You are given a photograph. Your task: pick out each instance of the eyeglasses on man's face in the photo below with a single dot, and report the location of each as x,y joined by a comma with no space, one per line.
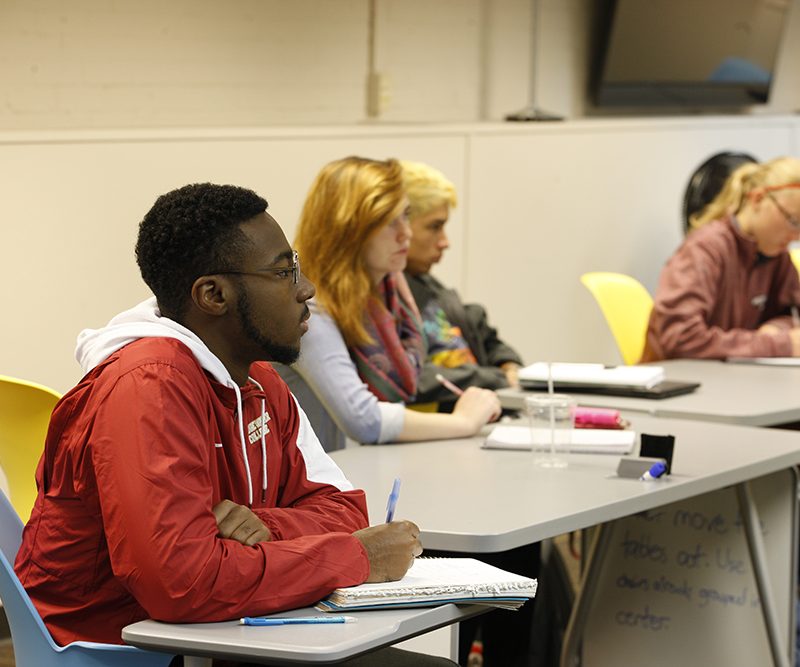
792,220
283,272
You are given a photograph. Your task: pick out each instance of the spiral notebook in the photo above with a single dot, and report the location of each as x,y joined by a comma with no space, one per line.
434,581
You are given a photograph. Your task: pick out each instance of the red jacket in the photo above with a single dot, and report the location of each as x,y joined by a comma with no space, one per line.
136,456
713,295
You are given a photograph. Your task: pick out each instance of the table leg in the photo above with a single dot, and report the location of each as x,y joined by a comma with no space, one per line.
585,594
758,558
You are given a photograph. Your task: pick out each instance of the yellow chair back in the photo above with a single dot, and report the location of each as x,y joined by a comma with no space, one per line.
795,255
626,305
25,409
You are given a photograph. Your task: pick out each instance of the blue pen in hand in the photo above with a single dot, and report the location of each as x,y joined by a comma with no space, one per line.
392,503
297,620
656,471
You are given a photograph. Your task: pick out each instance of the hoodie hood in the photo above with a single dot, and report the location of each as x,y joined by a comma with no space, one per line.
144,321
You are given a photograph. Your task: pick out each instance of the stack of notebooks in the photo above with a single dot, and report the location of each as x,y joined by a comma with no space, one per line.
434,581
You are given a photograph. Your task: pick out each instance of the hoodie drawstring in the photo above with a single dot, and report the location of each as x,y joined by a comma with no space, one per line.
239,410
263,442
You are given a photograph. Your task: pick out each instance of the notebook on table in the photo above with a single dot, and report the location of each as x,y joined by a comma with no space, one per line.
633,381
583,441
434,581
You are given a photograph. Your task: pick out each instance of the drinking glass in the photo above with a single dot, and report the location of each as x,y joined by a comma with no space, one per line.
552,419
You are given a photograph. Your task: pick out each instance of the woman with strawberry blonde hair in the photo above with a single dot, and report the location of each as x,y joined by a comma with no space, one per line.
360,360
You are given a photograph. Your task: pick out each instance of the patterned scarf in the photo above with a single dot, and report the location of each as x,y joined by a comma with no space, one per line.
391,364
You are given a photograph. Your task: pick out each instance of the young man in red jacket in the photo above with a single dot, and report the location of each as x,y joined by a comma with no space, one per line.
180,480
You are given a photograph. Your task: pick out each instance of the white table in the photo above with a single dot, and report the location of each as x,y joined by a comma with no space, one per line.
293,644
453,488
472,500
732,393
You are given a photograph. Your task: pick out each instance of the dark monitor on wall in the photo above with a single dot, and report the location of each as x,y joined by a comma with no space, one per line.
687,53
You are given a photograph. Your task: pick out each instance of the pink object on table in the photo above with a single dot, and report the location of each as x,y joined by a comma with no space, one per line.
598,418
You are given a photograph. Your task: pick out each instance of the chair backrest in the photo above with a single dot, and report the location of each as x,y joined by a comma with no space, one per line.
33,644
25,409
795,255
626,305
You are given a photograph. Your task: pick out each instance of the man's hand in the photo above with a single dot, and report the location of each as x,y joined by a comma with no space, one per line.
511,369
391,549
238,522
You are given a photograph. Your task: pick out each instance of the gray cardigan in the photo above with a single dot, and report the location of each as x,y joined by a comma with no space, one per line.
327,385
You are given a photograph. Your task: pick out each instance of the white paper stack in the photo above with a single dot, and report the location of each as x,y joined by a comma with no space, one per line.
584,440
565,374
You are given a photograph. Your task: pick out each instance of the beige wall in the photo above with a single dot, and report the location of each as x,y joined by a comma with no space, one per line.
539,206
540,203
194,63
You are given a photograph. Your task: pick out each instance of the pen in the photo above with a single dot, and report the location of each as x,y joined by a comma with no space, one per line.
392,503
795,317
442,380
656,471
297,620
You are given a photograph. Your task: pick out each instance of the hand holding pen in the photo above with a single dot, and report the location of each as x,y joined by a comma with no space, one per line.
480,406
391,504
442,380
392,546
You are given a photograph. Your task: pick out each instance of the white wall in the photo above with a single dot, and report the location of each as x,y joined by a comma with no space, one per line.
585,196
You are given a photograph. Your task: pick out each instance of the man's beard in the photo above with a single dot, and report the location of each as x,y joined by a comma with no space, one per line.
283,354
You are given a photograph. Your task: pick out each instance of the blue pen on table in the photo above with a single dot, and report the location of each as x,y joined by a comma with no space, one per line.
656,471
297,620
392,502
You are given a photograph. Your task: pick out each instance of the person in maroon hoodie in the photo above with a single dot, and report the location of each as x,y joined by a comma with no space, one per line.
181,480
731,289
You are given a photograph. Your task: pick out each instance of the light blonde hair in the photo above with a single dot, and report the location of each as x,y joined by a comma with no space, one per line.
781,172
348,202
426,188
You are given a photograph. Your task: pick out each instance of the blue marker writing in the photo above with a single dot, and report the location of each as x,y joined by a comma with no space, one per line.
392,503
297,620
656,470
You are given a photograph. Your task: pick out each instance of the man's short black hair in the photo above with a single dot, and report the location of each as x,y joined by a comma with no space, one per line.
190,232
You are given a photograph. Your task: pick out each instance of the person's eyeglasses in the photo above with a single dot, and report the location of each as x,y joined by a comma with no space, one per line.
793,221
283,272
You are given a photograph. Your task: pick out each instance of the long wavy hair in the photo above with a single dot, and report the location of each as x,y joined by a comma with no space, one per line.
781,172
348,202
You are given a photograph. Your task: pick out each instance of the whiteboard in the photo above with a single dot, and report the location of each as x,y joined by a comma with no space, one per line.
676,587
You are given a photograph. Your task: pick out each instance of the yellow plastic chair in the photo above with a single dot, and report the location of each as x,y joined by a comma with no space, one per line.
25,409
795,255
626,305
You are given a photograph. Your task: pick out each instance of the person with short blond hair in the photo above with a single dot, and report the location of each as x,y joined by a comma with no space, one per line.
462,345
